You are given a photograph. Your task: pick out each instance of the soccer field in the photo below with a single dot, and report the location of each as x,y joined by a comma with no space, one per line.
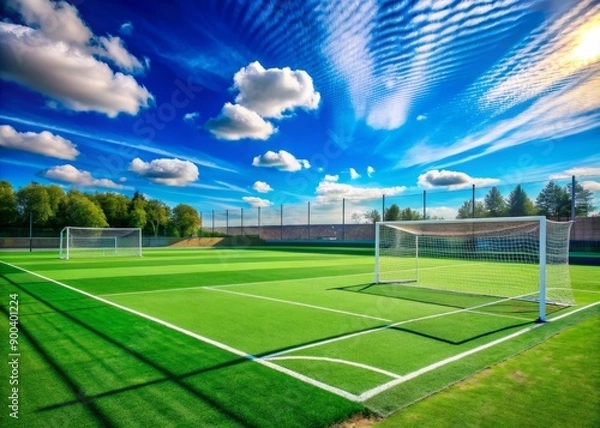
250,337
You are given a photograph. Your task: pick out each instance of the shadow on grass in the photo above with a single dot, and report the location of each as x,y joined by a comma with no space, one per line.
89,400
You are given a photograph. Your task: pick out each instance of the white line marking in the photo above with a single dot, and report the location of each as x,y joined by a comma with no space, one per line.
299,376
237,284
339,361
384,387
385,327
559,317
304,305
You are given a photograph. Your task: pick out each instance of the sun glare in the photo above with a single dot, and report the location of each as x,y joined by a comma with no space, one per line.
588,46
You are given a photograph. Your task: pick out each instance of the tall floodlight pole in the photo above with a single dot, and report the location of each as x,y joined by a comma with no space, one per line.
424,204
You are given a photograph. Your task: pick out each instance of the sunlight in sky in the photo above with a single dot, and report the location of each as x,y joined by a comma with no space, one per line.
588,48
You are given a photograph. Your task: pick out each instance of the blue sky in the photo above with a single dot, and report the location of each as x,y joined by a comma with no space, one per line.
240,104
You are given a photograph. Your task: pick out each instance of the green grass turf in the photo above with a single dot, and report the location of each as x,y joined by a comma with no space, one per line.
93,353
519,392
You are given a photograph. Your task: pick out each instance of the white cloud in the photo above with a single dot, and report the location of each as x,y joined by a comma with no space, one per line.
586,171
67,74
421,117
69,174
329,177
257,202
443,212
237,122
274,91
59,21
191,117
126,29
390,112
262,187
282,160
329,191
370,171
452,179
56,54
171,172
114,50
353,174
593,186
44,143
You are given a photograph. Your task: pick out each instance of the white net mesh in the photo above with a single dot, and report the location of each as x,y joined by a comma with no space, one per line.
496,257
100,242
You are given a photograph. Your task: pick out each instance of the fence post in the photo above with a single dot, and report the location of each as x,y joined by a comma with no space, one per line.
424,204
30,231
242,221
573,198
343,219
213,221
227,222
309,220
473,203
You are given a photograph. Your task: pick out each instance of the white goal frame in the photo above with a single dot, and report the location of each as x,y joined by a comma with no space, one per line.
542,257
109,234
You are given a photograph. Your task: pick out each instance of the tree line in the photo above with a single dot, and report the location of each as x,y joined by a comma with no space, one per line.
553,201
50,207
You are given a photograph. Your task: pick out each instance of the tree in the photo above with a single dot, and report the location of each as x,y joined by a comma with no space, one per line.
8,204
494,203
356,217
185,220
372,216
157,214
410,214
34,199
137,212
519,203
115,207
57,197
392,213
584,200
82,212
466,209
553,201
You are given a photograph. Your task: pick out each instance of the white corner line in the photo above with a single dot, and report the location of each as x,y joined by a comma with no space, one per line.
291,302
384,387
262,361
339,361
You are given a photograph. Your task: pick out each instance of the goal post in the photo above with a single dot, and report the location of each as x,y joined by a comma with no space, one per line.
100,242
510,257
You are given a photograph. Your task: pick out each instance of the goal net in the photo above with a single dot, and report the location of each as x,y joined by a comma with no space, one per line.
523,258
99,242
